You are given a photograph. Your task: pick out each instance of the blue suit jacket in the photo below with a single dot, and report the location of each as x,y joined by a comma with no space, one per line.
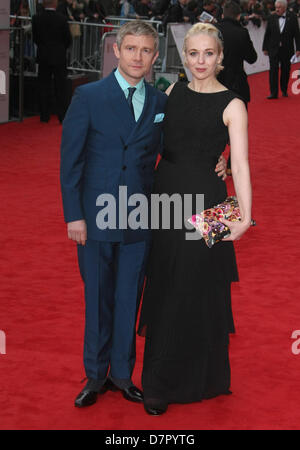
103,148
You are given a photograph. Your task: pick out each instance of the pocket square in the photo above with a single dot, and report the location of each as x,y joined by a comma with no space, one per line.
159,117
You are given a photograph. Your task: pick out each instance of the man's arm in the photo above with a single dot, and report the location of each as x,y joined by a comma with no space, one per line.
34,30
221,167
67,34
75,129
250,54
266,40
297,36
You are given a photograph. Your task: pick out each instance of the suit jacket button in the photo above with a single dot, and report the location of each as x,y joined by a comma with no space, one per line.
124,168
125,147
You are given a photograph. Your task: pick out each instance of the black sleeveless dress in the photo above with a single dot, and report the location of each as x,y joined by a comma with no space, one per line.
186,313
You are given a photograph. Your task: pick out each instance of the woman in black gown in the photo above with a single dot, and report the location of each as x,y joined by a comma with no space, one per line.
186,313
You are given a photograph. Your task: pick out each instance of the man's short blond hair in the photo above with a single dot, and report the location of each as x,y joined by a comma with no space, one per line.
137,28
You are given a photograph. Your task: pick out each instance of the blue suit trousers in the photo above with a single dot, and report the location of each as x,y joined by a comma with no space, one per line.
113,275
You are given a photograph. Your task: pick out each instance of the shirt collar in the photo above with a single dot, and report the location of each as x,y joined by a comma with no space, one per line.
124,83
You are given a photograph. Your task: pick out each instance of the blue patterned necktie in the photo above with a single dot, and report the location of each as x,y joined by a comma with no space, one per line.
131,91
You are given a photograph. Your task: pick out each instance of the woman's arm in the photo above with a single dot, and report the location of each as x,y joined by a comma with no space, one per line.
235,117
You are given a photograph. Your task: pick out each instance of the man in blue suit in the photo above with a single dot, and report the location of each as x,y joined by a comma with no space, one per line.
111,138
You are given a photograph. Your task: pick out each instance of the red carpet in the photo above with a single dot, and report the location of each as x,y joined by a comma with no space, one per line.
42,308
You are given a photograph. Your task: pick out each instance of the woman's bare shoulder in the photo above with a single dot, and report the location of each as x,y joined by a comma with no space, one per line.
235,112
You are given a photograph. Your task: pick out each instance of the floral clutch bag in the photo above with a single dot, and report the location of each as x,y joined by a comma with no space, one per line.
208,225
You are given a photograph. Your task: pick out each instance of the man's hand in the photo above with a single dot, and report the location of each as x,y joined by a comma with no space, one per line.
77,231
221,168
265,52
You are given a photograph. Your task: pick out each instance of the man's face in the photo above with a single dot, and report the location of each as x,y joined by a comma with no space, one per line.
136,56
280,9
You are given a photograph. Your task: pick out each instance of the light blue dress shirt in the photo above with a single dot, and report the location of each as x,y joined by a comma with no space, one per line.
138,98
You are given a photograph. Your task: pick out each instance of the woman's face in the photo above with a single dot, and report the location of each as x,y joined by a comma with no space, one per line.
202,56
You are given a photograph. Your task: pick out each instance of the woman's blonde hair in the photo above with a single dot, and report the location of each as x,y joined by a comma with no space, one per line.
210,30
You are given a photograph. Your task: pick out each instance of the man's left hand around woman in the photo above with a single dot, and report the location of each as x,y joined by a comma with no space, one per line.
221,167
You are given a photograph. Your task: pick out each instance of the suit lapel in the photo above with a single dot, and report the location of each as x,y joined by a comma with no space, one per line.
149,105
122,115
146,118
126,126
287,18
277,23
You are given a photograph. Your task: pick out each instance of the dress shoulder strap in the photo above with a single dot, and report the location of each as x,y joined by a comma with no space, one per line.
231,95
228,97
178,85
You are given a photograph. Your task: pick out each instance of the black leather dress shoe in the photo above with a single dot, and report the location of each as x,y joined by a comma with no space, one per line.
155,408
131,393
284,94
272,97
88,396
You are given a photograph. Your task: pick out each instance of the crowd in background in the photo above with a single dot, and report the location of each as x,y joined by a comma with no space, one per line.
254,11
190,11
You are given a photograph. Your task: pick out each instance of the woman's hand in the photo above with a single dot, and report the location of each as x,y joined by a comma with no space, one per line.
237,229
